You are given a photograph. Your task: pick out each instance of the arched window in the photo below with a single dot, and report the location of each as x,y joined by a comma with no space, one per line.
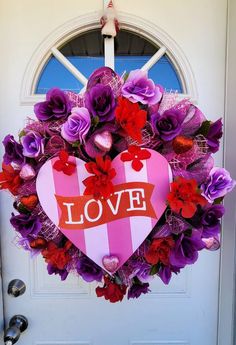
86,53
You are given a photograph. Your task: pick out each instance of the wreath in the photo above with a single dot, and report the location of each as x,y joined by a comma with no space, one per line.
116,184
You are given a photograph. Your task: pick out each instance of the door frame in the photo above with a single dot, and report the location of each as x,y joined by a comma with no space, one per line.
227,313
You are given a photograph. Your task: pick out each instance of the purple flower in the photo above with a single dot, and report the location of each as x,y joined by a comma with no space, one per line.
218,184
13,151
137,289
26,224
54,270
211,220
141,270
56,106
186,249
214,134
100,102
165,273
168,125
105,76
77,125
88,270
138,88
33,144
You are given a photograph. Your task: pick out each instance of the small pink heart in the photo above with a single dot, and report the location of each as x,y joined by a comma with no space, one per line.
110,262
103,141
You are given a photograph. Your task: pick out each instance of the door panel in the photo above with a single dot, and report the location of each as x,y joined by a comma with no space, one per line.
183,313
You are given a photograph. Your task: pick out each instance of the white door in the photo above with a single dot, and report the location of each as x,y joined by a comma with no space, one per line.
69,313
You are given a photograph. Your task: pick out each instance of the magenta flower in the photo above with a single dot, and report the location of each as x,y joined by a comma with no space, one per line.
33,144
13,151
218,184
88,270
168,125
186,249
214,134
100,101
77,125
210,220
137,289
138,88
26,224
56,106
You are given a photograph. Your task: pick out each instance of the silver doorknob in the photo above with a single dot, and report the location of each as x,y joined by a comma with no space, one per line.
17,325
16,288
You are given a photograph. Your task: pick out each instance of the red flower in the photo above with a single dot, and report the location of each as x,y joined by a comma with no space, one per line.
135,154
10,179
111,291
159,251
131,118
99,185
185,196
63,164
56,256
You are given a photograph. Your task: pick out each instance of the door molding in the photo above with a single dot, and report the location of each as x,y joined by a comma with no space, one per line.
226,327
90,21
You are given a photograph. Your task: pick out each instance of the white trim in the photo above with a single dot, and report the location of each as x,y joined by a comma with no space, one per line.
226,322
90,21
109,52
68,65
154,59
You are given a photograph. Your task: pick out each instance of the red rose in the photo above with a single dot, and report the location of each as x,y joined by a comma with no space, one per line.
57,257
159,251
185,196
10,179
131,118
99,185
111,291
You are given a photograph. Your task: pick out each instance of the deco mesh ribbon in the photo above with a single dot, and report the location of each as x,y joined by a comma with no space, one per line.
129,115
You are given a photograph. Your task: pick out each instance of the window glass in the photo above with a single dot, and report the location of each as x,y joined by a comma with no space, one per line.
86,53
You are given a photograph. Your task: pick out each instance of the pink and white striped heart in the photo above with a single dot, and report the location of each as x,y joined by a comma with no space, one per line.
114,227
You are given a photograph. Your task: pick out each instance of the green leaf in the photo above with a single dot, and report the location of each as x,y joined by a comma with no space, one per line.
204,129
76,144
218,201
22,209
95,121
125,76
22,133
154,270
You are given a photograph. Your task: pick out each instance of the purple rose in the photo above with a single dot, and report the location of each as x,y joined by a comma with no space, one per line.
77,125
33,144
186,249
218,184
105,76
213,136
100,102
168,125
56,106
26,224
13,151
211,220
88,270
54,270
137,289
138,88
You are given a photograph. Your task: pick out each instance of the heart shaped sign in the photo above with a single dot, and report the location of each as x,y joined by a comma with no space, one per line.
114,227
